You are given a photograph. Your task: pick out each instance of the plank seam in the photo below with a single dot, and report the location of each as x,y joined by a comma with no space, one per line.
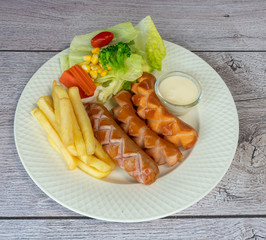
169,217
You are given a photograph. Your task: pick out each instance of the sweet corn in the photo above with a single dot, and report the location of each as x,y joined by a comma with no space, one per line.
100,70
82,63
87,58
93,74
95,59
95,50
86,67
108,67
104,73
95,67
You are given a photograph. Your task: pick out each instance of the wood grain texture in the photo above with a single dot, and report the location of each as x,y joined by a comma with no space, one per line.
236,228
196,25
229,35
242,190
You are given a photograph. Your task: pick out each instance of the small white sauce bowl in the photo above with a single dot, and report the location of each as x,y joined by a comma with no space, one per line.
178,109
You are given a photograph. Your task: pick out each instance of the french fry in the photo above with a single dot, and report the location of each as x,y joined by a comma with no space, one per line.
78,138
72,150
49,101
44,104
54,84
38,114
53,145
91,171
98,164
101,154
63,117
84,167
84,158
69,131
60,91
66,126
56,103
83,120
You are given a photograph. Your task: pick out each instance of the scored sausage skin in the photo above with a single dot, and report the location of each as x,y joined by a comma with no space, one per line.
158,118
158,148
120,147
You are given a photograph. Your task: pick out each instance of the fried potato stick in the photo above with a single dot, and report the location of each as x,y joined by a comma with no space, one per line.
39,115
83,120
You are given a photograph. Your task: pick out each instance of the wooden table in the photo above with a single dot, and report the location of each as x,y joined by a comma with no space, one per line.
229,35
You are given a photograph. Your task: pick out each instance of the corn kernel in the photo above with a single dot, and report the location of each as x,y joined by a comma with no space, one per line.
82,63
95,50
104,73
86,67
95,59
95,67
109,68
87,58
93,74
100,70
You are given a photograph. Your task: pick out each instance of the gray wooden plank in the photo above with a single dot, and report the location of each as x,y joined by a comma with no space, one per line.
196,25
242,190
236,228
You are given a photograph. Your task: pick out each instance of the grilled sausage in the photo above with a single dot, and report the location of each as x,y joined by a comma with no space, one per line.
159,149
158,118
120,147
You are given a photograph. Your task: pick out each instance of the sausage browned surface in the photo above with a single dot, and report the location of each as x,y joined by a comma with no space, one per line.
159,149
158,118
120,147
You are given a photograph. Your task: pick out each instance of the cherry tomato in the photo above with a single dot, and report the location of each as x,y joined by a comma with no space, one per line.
102,39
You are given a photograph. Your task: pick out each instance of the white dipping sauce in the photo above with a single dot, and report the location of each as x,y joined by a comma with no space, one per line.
178,90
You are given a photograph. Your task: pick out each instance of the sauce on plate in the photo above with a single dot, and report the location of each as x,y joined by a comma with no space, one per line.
178,90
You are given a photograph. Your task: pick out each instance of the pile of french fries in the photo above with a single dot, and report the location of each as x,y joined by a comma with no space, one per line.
69,131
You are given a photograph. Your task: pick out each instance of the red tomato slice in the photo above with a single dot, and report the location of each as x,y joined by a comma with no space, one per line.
102,39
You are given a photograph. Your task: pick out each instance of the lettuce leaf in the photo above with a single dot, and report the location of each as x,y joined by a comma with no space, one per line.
149,43
76,57
127,85
123,32
116,79
145,66
64,62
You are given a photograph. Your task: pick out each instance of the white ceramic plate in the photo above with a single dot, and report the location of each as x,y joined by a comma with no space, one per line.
118,197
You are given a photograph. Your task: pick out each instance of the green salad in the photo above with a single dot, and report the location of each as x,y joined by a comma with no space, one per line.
131,51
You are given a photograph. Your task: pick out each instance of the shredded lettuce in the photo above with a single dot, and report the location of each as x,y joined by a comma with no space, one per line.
133,66
149,43
123,32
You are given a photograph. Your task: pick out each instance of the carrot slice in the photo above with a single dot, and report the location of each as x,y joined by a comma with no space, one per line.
86,78
68,80
83,80
76,76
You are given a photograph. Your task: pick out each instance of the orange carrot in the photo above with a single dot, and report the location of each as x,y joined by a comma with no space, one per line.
83,80
76,76
85,77
68,80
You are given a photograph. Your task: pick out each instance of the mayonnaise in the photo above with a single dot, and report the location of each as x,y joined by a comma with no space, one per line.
178,90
